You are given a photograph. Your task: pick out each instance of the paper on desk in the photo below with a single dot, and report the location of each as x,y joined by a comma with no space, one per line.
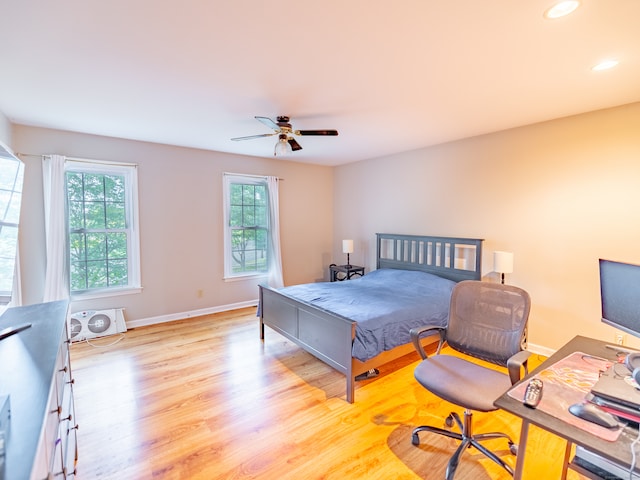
566,382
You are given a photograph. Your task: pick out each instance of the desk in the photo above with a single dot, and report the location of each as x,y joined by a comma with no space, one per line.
618,451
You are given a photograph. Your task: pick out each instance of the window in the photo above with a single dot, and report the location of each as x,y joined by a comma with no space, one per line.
246,226
11,177
102,227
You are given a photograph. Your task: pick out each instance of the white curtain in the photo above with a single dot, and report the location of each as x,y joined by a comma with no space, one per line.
16,293
275,268
56,283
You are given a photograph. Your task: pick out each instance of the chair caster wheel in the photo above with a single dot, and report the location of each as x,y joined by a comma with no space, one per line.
449,421
415,440
513,448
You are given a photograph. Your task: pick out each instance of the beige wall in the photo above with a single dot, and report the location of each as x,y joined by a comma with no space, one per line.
559,194
180,197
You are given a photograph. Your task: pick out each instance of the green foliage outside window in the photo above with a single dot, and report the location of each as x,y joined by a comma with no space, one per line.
97,231
248,220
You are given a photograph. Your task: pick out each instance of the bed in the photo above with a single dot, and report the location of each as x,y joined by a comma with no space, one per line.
337,332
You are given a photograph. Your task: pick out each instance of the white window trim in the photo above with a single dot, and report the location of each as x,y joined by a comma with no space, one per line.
228,179
106,292
12,297
130,173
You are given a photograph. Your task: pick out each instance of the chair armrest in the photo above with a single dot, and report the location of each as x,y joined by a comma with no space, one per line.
417,333
515,363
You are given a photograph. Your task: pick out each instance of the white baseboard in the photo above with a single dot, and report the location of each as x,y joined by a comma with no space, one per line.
142,322
540,350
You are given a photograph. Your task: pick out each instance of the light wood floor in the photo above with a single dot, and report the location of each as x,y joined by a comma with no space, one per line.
204,398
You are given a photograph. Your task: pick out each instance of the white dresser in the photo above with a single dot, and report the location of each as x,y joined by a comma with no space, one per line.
35,372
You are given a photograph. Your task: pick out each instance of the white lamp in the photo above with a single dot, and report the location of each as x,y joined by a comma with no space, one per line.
282,147
347,247
502,263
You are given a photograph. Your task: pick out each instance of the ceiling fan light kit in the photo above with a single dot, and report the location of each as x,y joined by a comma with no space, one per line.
282,147
286,143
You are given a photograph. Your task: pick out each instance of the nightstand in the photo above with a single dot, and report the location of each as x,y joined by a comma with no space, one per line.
344,272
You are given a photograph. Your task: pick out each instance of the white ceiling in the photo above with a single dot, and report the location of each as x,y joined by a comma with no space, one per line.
389,76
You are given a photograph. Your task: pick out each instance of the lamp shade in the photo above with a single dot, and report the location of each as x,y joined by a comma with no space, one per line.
503,262
282,148
347,246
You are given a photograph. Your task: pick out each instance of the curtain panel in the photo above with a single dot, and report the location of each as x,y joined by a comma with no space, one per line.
56,283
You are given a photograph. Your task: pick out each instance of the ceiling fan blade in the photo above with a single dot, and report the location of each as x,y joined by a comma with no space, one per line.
269,123
316,132
250,137
294,145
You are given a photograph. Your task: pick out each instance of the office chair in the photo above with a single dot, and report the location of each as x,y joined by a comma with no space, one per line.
486,321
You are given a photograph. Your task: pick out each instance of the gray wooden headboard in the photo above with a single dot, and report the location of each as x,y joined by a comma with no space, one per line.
454,258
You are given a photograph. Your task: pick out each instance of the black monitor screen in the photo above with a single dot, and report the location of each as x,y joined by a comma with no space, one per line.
620,295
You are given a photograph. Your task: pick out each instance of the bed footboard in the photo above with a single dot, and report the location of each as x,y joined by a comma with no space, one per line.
325,335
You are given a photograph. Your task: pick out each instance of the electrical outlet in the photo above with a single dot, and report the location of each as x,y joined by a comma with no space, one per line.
619,339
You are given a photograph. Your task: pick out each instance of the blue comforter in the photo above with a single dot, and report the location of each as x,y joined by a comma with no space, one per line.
386,303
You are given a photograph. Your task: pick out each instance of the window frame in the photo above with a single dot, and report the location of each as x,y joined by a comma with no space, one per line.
228,180
15,198
130,174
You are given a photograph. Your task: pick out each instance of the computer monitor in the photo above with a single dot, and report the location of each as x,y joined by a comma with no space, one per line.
620,295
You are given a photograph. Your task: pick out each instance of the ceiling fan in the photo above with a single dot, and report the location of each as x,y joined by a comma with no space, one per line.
283,129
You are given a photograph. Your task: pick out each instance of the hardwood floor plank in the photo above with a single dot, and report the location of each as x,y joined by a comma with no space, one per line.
204,398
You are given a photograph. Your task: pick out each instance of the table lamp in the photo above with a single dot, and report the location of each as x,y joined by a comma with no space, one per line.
502,263
347,247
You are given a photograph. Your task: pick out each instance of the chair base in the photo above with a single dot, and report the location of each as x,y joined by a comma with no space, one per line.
467,440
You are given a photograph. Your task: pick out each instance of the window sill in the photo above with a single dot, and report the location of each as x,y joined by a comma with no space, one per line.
115,292
246,277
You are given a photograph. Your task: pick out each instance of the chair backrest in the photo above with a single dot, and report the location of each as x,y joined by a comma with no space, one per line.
487,320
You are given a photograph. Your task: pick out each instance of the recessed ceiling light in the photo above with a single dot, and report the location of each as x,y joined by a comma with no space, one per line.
561,9
605,65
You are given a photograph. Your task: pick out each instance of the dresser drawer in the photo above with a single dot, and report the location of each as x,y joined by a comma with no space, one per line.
70,450
57,452
63,370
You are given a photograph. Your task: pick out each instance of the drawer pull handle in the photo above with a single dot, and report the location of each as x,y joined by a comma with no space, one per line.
57,410
72,381
65,419
64,369
65,473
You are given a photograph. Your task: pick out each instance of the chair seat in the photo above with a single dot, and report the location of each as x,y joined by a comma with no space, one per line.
462,382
